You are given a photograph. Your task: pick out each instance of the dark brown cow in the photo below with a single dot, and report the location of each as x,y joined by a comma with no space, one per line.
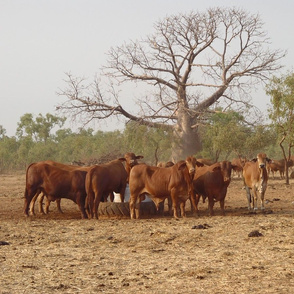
104,179
238,164
212,182
55,183
278,165
255,179
160,183
58,200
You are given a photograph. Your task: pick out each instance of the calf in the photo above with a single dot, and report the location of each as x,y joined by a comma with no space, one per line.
255,179
212,182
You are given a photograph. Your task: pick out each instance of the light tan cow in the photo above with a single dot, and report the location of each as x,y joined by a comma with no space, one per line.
255,179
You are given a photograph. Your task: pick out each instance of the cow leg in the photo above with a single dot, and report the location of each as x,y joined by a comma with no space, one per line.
160,208
122,194
90,203
40,202
96,204
47,205
210,206
137,207
254,198
58,205
80,200
111,197
134,206
222,206
182,207
32,204
262,192
194,204
248,197
28,195
174,204
170,206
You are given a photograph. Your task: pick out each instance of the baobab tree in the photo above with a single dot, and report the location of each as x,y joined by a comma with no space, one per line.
191,64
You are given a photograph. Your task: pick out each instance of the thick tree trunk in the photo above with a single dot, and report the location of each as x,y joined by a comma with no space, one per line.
186,140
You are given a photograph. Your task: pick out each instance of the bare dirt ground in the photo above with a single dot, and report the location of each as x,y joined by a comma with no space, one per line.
57,253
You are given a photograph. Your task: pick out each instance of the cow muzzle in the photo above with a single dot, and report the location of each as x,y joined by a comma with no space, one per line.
192,172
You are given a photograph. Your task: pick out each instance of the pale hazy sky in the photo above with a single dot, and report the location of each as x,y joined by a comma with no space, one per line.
41,40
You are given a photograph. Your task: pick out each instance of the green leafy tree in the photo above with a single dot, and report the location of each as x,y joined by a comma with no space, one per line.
153,144
8,153
40,128
2,132
281,112
224,133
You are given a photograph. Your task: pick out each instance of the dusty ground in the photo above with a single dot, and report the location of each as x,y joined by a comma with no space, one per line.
63,254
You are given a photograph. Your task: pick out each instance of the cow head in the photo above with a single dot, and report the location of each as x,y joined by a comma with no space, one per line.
261,159
226,170
192,163
131,159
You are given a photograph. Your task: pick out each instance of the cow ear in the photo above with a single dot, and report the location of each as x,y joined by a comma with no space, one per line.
216,168
182,165
139,156
199,163
268,160
122,159
254,159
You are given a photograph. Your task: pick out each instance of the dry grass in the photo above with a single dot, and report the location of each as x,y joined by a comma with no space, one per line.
64,254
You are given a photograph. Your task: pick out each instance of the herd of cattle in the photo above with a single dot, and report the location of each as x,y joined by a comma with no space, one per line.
187,179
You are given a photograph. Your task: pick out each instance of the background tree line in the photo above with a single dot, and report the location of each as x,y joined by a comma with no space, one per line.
224,136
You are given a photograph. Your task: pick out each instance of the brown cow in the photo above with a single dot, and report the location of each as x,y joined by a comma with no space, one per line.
212,182
278,165
165,164
130,160
55,183
160,183
104,179
255,179
41,197
237,165
206,161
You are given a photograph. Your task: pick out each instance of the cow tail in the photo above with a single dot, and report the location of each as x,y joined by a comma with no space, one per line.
26,193
90,193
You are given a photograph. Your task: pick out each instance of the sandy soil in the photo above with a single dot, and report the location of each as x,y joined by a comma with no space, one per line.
57,253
